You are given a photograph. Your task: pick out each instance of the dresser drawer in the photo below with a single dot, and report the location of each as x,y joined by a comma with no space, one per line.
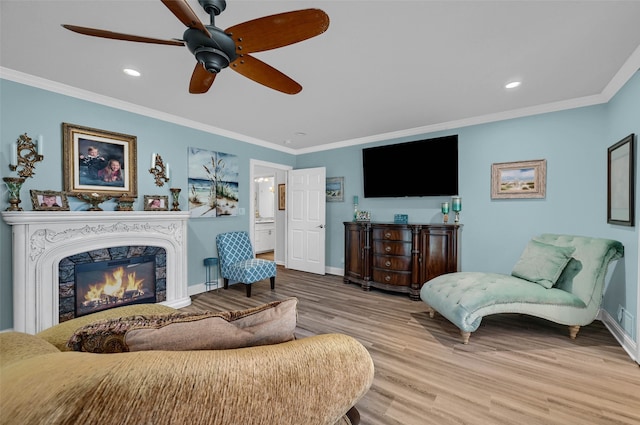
392,234
391,248
392,278
388,262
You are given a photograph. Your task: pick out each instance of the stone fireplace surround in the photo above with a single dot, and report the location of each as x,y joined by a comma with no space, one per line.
41,239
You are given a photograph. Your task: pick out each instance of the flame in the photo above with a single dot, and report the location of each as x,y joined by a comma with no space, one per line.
115,284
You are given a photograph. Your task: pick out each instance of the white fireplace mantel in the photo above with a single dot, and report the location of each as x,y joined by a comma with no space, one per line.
42,238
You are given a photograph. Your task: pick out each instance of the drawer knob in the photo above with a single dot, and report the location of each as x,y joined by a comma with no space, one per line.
387,235
387,248
387,278
388,263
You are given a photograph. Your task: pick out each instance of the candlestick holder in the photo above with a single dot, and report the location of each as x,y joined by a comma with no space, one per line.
25,161
125,203
14,184
175,193
158,170
445,211
456,206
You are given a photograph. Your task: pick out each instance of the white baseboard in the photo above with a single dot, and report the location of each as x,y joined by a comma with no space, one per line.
338,271
202,287
619,334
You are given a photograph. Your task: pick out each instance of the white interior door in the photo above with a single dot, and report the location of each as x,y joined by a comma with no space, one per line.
306,197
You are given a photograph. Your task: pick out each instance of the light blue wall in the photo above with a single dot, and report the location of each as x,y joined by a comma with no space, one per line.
573,142
34,111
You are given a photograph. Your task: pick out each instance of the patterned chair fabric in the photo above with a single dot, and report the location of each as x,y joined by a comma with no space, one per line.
237,262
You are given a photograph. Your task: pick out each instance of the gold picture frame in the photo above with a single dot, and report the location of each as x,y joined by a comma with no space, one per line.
282,196
49,200
517,180
156,203
99,161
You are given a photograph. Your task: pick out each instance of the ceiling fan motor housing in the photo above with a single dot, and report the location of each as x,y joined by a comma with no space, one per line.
215,53
215,6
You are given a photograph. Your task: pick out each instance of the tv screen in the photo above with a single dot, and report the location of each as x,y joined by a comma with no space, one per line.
420,168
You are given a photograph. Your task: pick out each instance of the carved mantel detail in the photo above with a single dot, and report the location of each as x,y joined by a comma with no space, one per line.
43,237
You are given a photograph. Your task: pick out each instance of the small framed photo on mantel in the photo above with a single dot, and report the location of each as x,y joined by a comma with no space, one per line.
156,203
49,200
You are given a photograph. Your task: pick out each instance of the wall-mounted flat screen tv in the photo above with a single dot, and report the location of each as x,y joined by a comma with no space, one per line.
420,168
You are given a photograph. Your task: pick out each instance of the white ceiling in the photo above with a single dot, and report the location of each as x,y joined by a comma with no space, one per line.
383,69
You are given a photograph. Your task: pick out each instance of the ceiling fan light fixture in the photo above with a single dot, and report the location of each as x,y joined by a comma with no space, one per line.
214,60
131,72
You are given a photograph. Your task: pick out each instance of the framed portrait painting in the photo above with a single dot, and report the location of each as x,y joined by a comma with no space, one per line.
621,182
49,200
98,161
516,180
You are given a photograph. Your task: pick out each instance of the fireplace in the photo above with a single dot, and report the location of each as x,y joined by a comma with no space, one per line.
48,245
113,283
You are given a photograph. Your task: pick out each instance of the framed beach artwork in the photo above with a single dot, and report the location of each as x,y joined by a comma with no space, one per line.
335,189
98,161
621,182
523,179
213,183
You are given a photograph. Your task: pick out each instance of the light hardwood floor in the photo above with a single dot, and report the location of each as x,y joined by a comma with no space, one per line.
515,370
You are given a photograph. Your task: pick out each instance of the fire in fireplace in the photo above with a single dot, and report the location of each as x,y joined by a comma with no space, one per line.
107,284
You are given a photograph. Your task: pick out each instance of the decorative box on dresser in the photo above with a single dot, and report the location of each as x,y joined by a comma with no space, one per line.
399,257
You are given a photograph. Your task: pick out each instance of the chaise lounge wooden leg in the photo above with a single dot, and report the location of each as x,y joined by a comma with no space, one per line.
573,331
432,312
248,285
465,337
273,283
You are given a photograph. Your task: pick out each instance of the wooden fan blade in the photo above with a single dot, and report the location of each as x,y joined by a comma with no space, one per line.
201,79
118,36
264,74
271,32
186,15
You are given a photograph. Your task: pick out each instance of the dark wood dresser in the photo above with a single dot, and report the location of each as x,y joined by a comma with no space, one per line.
399,257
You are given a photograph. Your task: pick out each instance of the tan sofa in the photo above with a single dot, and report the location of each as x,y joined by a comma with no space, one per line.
314,380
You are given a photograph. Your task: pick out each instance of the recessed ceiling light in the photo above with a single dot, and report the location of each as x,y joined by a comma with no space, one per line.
131,72
513,84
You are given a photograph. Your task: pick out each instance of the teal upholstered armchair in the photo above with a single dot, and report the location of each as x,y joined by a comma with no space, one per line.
238,263
558,277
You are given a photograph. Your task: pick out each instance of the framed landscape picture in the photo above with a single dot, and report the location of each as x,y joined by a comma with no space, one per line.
523,179
621,182
98,161
335,189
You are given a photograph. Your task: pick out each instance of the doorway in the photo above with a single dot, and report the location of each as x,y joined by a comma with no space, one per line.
261,223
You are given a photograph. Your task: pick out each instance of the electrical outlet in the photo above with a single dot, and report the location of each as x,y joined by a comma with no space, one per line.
620,313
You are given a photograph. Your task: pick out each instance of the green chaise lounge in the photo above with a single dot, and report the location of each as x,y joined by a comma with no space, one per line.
558,277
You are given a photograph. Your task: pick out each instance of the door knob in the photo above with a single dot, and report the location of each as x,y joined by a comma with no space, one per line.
321,226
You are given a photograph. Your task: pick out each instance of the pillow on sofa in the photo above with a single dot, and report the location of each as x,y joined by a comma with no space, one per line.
542,263
266,324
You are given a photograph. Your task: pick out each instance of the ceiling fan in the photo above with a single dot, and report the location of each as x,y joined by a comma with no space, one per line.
215,49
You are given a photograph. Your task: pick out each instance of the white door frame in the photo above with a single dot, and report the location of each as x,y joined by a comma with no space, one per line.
252,207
